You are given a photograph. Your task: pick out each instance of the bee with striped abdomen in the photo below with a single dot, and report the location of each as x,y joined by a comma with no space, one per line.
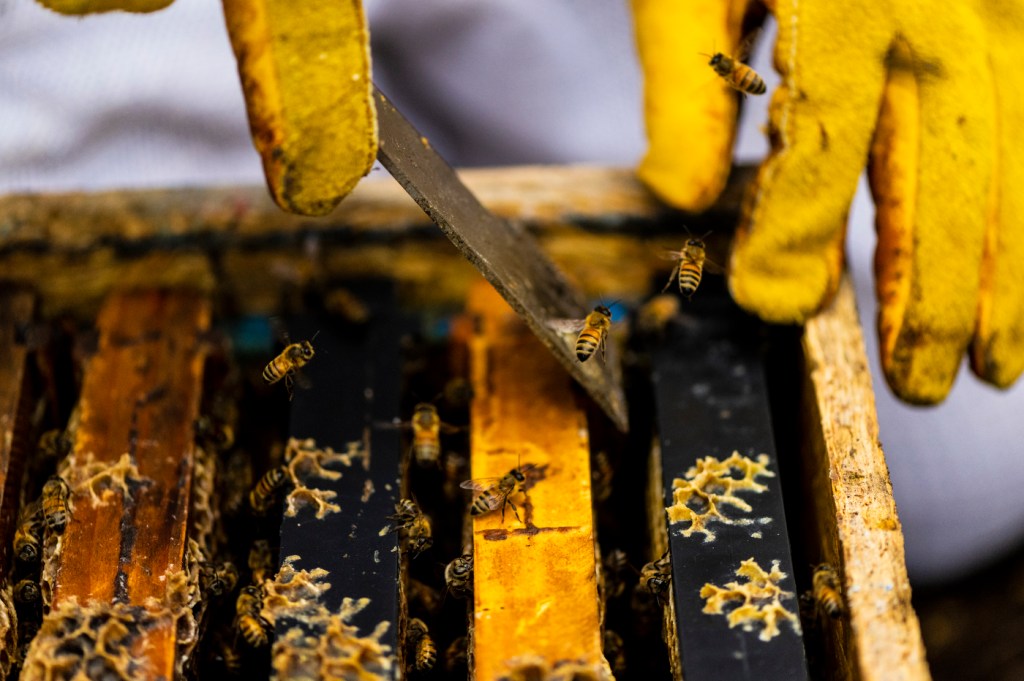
55,504
458,575
29,535
410,518
248,620
426,434
495,493
261,498
826,591
594,333
424,652
735,73
284,366
692,258
657,575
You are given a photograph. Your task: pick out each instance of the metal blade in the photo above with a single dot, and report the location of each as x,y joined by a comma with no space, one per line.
509,258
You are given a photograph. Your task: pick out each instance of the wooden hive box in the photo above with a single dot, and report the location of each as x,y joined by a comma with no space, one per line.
136,323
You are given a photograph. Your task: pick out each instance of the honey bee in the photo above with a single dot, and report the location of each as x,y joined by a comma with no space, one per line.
55,504
456,656
408,517
736,74
261,498
292,358
458,575
248,620
656,576
654,316
228,656
346,304
615,567
826,591
496,492
614,651
26,591
261,560
601,474
594,333
692,258
426,434
54,444
29,535
218,579
424,652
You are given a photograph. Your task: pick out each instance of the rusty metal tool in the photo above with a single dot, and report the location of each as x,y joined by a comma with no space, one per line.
509,258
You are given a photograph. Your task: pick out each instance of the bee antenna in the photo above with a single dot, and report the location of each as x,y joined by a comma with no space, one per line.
314,336
706,234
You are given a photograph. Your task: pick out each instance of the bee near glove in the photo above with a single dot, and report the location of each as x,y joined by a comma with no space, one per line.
927,99
305,71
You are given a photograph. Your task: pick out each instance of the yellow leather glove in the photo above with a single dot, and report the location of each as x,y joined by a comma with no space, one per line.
930,95
305,69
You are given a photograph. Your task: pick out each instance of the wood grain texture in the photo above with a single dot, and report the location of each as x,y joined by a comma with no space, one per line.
535,593
140,396
852,500
15,314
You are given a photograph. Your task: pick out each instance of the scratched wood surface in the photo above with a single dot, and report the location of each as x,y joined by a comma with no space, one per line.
140,397
535,588
852,504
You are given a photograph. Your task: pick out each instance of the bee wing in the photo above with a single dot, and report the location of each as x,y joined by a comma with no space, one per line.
280,331
480,484
671,255
448,428
567,325
744,48
713,267
393,425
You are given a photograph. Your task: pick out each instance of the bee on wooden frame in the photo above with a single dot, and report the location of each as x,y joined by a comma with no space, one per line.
458,575
410,518
55,504
26,591
28,537
593,331
495,493
826,591
424,652
657,575
262,495
248,620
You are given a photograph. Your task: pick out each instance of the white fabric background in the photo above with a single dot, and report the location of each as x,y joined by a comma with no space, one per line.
153,100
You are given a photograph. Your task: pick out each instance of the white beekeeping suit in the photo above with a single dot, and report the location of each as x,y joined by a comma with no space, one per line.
153,100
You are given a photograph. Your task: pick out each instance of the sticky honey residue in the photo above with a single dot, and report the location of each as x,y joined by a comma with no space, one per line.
100,479
89,641
711,485
537,668
326,645
758,600
305,462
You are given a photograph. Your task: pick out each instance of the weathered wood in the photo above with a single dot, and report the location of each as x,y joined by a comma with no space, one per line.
535,587
342,419
851,498
130,471
733,586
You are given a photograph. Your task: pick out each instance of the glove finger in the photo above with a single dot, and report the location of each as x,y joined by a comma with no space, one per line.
930,169
690,118
788,253
305,70
96,6
997,350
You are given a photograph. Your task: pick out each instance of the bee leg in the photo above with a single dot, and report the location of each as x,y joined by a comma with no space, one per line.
675,272
288,384
604,351
514,510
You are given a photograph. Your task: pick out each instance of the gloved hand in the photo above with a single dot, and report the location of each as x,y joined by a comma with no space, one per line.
928,96
305,69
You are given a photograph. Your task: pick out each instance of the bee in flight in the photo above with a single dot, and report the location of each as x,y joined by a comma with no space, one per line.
426,434
284,366
594,333
458,575
692,258
494,493
654,316
656,576
55,504
410,518
424,652
825,584
29,535
262,495
735,73
248,620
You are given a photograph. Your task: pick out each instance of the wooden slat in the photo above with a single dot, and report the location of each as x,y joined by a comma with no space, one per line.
717,447
535,588
123,556
351,399
851,498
